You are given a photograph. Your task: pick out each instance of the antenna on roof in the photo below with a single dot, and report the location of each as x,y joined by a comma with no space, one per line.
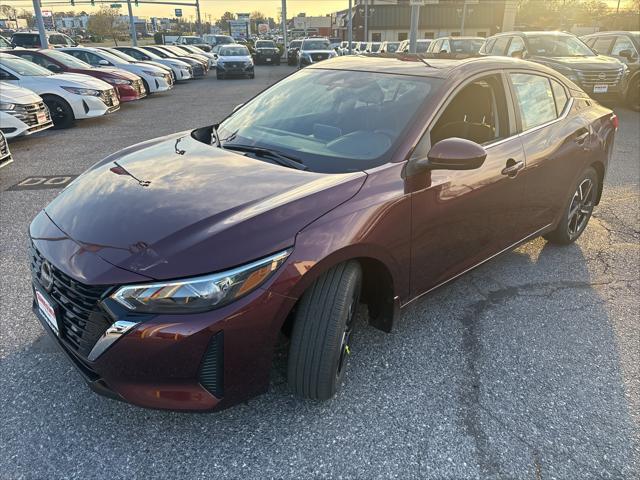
425,62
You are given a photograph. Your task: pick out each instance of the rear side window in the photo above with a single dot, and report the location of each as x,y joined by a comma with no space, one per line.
535,99
500,46
488,45
560,96
516,46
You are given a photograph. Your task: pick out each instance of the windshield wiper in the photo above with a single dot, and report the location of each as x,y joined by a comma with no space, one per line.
277,157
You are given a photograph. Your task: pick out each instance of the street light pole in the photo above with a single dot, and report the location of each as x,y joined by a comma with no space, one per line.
350,27
464,16
413,35
132,25
366,20
40,22
284,28
198,19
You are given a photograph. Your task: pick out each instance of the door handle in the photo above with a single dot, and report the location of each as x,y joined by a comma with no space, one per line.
512,167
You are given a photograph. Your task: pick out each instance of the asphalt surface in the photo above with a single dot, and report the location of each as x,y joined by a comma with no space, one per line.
529,367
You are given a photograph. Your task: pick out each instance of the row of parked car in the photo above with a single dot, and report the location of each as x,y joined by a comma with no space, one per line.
52,88
605,65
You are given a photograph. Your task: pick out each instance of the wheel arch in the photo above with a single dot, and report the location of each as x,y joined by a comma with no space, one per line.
598,166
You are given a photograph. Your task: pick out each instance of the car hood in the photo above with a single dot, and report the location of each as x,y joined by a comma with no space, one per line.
13,94
598,62
315,51
77,80
140,66
175,207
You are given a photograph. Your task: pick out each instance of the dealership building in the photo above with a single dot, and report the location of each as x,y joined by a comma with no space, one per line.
390,19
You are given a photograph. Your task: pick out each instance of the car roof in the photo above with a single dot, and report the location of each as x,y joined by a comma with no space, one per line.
612,32
535,32
436,67
468,37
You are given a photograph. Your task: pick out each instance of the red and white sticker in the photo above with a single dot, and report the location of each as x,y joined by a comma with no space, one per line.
47,311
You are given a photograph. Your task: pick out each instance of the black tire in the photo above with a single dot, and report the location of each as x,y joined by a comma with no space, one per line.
61,112
633,94
322,327
146,87
253,75
578,210
219,76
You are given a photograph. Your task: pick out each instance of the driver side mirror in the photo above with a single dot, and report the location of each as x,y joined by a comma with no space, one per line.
237,107
450,154
628,54
103,63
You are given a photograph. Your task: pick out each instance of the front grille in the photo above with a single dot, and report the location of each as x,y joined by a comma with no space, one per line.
601,77
212,368
80,320
198,70
319,56
4,148
29,113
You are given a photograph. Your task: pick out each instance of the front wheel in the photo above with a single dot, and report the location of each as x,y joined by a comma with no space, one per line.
61,112
322,329
577,213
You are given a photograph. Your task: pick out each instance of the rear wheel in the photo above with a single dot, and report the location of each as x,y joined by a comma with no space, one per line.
61,112
322,329
578,211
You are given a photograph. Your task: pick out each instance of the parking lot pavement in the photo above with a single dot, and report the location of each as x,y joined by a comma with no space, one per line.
526,368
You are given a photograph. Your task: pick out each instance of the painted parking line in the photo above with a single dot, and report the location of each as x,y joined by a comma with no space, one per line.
43,182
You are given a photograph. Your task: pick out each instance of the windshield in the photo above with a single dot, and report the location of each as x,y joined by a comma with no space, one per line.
4,43
239,51
111,57
24,67
466,46
295,44
375,47
334,121
192,40
122,55
558,46
67,60
148,53
265,44
315,45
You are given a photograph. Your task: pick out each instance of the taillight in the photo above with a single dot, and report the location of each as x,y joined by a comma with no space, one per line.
615,121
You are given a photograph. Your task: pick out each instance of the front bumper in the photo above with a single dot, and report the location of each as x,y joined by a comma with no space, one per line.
201,361
229,69
267,57
26,120
87,106
161,84
130,93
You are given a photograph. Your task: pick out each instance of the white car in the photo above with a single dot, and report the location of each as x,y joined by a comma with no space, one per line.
155,78
181,70
190,49
5,154
22,112
69,96
234,60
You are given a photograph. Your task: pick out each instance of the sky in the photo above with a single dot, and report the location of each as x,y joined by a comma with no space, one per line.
215,8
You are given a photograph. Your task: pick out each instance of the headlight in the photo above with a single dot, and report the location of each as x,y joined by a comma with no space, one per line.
83,91
199,294
333,54
118,81
7,106
153,74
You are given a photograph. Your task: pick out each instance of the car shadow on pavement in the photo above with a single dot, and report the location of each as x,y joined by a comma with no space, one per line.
510,372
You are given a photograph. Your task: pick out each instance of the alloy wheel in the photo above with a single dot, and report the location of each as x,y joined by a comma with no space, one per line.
581,208
352,313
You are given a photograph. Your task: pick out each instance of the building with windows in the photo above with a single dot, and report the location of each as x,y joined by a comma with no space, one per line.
391,19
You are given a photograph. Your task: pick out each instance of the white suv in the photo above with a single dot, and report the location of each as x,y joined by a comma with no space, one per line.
69,96
155,78
22,112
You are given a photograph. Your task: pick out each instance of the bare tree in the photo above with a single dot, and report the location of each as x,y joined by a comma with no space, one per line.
107,23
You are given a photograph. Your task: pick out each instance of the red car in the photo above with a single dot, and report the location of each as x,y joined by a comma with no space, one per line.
128,85
168,271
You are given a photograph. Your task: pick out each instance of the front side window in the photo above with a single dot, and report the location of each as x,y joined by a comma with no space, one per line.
500,46
516,46
334,121
623,44
28,40
67,60
535,99
602,45
478,113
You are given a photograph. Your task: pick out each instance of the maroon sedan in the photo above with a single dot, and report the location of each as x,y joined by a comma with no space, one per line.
168,270
128,85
